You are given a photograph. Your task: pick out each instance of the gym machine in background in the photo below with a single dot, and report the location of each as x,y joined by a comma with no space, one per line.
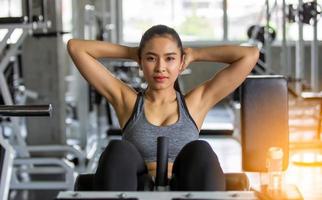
28,171
32,162
16,30
25,169
85,121
263,36
305,102
6,159
304,14
12,89
307,13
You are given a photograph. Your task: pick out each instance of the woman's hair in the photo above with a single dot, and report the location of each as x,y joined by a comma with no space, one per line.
161,30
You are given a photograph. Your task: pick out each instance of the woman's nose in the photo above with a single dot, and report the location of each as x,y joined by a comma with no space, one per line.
160,66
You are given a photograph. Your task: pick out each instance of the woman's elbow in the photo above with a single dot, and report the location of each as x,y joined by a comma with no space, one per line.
254,53
71,46
252,56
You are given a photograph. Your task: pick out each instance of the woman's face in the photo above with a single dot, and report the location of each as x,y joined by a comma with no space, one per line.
161,62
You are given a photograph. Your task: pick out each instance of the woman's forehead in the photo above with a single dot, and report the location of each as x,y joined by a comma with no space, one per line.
161,44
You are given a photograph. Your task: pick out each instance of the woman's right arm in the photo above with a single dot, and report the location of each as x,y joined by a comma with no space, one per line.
85,54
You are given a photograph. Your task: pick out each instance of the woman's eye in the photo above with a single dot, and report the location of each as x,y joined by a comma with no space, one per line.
170,58
150,59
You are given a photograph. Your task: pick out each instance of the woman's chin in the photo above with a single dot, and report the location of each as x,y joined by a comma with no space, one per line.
158,86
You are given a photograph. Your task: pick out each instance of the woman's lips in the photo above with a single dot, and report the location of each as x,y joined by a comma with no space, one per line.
160,78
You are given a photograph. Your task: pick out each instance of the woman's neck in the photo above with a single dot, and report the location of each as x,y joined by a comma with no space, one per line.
160,96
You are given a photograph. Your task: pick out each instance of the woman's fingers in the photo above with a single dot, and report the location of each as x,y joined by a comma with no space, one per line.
187,58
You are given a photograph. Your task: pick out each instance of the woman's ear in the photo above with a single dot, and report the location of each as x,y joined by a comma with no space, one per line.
141,72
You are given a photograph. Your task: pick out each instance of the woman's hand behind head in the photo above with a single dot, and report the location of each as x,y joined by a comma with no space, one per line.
187,58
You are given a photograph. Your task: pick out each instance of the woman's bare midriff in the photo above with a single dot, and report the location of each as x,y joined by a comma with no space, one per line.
152,167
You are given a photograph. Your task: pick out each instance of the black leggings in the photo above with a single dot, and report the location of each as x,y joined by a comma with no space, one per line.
196,168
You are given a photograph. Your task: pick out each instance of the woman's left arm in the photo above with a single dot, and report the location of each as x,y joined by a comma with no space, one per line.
241,61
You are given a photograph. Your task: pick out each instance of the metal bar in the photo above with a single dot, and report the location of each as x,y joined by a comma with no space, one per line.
24,26
41,170
67,184
18,138
61,148
119,8
12,20
43,7
4,90
284,65
225,20
5,39
13,26
5,61
18,97
267,44
41,185
29,9
25,110
8,100
314,57
113,21
289,60
148,195
299,65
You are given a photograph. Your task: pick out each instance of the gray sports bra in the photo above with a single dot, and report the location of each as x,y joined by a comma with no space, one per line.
144,135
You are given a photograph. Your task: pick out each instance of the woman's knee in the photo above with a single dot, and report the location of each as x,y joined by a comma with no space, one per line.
197,157
198,144
120,153
199,149
197,168
119,146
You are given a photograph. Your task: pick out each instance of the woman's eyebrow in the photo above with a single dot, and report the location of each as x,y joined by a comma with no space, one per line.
166,54
151,53
171,53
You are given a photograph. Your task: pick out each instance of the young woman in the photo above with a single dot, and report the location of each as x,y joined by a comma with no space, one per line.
161,110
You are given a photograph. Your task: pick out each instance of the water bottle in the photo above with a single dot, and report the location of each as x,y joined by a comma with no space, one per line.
274,166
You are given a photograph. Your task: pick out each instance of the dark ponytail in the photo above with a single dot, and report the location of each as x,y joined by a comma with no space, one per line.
177,86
